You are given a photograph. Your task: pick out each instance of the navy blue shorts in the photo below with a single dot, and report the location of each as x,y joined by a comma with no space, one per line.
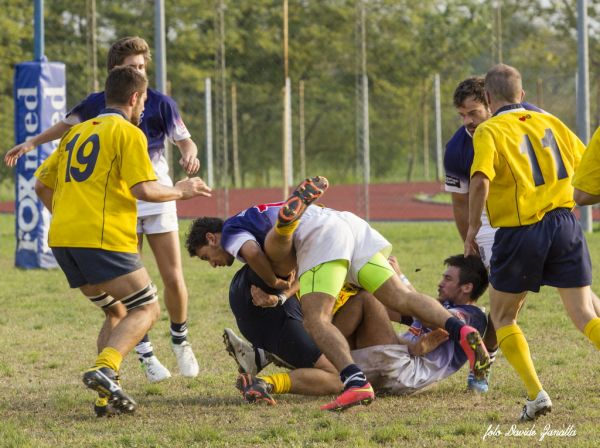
279,330
84,266
551,252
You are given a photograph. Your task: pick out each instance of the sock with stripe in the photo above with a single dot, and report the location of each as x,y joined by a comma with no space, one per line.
352,376
513,344
144,348
179,332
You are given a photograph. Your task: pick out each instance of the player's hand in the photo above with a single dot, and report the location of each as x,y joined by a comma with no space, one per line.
471,247
190,164
393,261
429,342
261,298
193,187
13,154
281,284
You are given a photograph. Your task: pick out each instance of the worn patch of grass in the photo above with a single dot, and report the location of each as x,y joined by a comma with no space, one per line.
48,336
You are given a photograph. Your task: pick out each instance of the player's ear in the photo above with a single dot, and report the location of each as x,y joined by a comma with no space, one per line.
211,238
134,98
467,288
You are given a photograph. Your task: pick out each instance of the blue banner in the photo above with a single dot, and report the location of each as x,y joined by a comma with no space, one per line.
40,102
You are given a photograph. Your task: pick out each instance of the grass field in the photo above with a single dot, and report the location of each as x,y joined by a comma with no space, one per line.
48,332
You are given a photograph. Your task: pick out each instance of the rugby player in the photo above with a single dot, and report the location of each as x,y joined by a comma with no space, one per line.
158,221
90,184
521,173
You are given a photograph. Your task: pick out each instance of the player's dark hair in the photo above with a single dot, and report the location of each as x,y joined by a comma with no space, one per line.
196,237
471,270
125,47
121,83
504,83
470,87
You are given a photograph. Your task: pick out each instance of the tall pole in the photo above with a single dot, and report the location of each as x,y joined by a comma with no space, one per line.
209,131
234,138
221,103
38,45
159,46
94,40
583,93
161,60
362,108
499,29
287,109
438,128
302,131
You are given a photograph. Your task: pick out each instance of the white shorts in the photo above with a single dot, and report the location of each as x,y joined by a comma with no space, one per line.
326,235
485,241
391,369
163,223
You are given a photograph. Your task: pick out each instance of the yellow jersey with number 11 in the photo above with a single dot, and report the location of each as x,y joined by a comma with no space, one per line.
91,173
529,158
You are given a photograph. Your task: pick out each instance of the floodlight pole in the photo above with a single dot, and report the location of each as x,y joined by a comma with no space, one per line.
38,46
583,94
363,160
438,128
287,110
161,60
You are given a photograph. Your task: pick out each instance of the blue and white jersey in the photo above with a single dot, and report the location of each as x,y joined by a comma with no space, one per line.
458,158
251,224
160,120
449,356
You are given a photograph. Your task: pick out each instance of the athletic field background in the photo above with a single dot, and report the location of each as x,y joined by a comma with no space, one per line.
48,333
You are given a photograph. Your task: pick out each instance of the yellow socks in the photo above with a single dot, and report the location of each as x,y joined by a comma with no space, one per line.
281,382
513,344
109,357
287,229
592,331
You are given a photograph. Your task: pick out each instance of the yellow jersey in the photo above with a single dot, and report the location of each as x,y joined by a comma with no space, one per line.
91,173
587,175
529,158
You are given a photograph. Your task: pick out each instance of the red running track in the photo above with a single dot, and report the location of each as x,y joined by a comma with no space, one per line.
388,202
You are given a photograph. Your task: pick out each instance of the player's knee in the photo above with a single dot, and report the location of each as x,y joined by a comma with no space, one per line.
115,311
175,283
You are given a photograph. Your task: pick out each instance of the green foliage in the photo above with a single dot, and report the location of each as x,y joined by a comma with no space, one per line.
407,43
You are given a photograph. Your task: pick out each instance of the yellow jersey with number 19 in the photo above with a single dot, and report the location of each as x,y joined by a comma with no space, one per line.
587,175
91,173
529,158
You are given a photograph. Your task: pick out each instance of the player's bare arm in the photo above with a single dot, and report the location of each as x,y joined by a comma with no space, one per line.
479,188
52,133
460,208
152,191
189,156
258,261
45,194
583,198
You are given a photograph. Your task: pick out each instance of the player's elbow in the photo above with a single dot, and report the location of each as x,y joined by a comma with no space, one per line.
142,191
582,198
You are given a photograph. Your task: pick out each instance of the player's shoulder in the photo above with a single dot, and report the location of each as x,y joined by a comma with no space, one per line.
156,97
459,151
457,141
95,99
